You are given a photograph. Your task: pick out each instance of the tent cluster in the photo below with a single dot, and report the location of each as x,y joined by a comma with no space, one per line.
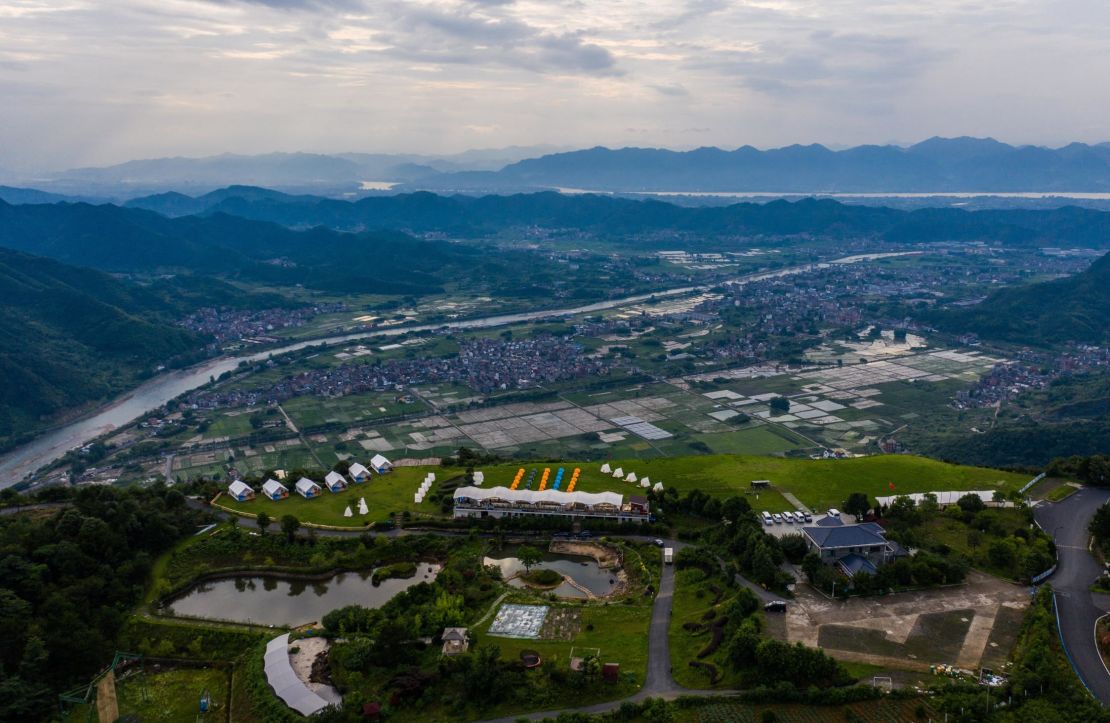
631,477
429,480
334,481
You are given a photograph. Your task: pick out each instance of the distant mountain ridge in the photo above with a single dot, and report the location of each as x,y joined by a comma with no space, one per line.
1074,308
950,165
634,220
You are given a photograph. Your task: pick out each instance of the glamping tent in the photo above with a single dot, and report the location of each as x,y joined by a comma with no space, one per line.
240,491
307,488
380,464
335,482
275,490
359,473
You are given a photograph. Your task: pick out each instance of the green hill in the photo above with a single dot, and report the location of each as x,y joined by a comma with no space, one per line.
1076,308
69,336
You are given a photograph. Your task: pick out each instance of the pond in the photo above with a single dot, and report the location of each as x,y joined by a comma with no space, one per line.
288,601
583,570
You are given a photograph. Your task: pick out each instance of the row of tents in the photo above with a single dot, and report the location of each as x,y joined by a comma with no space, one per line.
334,481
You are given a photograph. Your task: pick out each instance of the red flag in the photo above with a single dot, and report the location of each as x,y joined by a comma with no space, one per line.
892,485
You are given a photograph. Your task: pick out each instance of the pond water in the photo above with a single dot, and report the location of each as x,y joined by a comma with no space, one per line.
286,601
583,570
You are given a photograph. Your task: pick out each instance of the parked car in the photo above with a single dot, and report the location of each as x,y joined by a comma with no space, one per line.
808,517
775,606
833,512
658,542
767,519
788,516
777,518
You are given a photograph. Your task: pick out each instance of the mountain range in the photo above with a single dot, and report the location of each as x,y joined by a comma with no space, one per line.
642,221
949,165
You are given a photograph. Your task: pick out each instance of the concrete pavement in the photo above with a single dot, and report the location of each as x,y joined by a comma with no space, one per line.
1077,608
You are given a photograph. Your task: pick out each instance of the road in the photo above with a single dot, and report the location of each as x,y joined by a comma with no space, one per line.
1077,607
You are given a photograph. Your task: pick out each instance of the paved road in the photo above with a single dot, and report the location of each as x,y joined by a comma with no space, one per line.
1077,607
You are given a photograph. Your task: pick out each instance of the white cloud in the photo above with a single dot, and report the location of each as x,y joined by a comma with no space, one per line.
84,82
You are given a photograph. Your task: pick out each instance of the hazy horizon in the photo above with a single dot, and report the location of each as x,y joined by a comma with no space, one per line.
89,84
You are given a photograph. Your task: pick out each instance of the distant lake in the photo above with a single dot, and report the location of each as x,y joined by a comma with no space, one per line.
288,601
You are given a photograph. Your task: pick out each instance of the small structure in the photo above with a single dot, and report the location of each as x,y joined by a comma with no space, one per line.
274,490
645,481
530,659
479,477
307,488
347,512
380,464
335,482
631,477
658,487
618,473
358,473
761,484
240,491
611,672
639,504
455,641
362,508
606,469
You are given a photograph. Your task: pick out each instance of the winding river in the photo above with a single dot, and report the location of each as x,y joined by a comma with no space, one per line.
158,390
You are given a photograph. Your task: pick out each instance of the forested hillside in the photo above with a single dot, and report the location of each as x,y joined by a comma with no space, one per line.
72,335
1075,309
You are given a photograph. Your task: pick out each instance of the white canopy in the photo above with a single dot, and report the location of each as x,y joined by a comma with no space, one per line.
347,512
605,468
532,497
283,679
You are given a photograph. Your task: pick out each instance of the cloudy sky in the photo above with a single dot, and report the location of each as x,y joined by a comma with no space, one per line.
100,81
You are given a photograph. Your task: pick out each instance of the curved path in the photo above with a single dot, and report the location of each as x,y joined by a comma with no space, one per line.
1077,608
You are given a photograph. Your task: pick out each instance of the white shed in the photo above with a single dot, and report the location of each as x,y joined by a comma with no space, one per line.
307,488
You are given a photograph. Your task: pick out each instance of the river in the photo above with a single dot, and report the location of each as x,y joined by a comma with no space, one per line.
153,393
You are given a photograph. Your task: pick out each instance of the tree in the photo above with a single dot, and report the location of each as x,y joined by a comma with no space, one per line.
971,504
780,404
528,557
1100,523
290,525
857,504
263,521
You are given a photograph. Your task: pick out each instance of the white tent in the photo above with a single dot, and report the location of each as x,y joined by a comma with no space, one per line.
362,508
605,469
631,477
380,464
335,481
479,477
358,472
431,477
618,473
347,512
658,487
645,483
418,498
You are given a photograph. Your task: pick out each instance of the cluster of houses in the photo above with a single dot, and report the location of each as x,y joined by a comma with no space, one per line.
334,481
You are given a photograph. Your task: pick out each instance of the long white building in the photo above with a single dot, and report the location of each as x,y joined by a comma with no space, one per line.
498,502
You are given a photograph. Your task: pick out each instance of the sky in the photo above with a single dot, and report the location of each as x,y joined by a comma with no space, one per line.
91,82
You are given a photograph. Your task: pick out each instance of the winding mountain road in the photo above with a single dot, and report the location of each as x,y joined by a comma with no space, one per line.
1077,608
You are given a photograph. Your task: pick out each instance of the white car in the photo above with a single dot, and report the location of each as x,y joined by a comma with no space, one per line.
767,520
788,516
833,512
777,518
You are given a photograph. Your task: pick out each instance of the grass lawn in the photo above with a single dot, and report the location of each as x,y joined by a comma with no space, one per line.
817,483
1060,493
884,710
384,494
